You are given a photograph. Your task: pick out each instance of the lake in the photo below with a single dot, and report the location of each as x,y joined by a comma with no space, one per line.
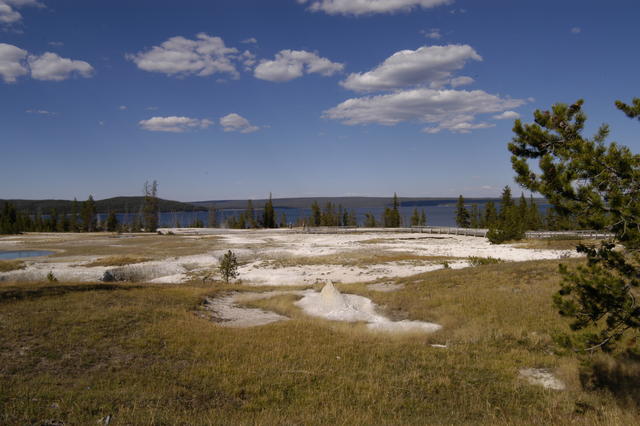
19,254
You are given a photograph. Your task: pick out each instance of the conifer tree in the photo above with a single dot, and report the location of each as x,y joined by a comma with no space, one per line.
370,220
423,218
112,222
599,183
213,217
509,225
316,214
89,215
73,220
463,219
533,215
490,215
269,216
415,217
250,216
150,206
475,216
523,209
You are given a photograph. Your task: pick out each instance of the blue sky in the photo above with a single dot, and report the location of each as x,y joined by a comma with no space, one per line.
235,99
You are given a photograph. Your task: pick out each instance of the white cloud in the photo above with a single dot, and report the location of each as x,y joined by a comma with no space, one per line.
152,108
8,13
50,66
507,115
452,110
576,30
236,123
427,65
39,111
12,62
364,7
290,64
461,81
204,56
433,33
122,107
174,124
250,40
56,43
248,60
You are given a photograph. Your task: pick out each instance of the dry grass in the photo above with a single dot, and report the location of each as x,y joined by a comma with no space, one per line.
116,261
552,243
11,265
77,353
355,258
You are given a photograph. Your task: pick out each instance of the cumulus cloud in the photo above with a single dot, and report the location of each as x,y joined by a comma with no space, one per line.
291,64
180,56
507,115
453,110
174,124
8,13
431,65
365,7
12,62
50,66
461,81
236,123
250,40
433,33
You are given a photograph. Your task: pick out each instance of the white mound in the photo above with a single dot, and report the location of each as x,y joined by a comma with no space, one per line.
333,305
542,377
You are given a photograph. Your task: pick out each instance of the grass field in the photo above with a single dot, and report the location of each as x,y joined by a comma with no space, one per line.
146,354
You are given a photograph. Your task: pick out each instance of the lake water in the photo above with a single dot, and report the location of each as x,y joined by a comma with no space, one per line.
438,215
19,254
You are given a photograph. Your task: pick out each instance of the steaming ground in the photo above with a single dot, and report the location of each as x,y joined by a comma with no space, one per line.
267,257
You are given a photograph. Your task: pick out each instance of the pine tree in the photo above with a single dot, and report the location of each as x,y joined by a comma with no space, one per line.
250,216
523,209
533,215
506,203
89,215
423,218
213,217
150,206
490,215
462,215
73,220
598,183
112,222
228,266
316,214
475,216
415,217
269,215
370,220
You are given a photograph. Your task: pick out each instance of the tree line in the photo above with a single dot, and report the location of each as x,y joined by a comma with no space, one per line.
82,217
511,220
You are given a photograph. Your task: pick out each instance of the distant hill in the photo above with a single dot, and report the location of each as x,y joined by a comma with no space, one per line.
346,202
115,204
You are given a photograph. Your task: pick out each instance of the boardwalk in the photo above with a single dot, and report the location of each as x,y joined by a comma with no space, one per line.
587,234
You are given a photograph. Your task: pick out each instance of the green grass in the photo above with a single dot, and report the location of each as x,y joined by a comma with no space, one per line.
79,352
